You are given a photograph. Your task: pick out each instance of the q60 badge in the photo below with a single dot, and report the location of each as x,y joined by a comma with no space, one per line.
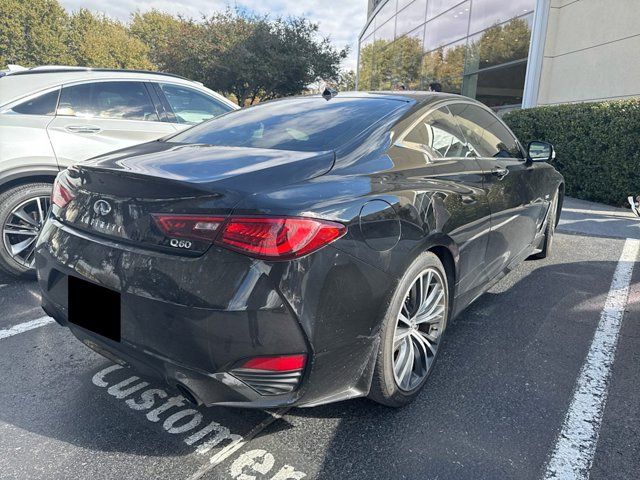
174,242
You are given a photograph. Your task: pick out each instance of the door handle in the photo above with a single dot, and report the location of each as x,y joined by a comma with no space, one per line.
82,129
499,172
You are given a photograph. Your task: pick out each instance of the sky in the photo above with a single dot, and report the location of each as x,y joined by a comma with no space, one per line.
341,21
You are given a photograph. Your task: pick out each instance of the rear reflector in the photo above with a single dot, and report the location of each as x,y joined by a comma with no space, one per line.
280,238
272,375
61,194
284,363
194,227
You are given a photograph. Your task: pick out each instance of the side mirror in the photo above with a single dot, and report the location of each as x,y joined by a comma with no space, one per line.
540,151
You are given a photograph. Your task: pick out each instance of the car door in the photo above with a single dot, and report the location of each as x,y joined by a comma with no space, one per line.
98,117
458,205
187,106
508,178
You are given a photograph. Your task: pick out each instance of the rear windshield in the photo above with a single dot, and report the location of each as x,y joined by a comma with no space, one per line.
302,124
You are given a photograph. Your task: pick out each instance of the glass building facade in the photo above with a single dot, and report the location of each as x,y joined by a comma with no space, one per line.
478,48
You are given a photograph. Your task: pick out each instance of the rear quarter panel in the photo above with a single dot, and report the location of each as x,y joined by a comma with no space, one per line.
25,146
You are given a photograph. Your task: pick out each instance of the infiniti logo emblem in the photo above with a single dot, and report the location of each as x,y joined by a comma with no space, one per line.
102,207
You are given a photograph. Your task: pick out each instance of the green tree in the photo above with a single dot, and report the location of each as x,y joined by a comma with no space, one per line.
32,32
158,30
252,58
257,58
98,41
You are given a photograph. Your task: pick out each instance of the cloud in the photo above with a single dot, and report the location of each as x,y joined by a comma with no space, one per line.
341,21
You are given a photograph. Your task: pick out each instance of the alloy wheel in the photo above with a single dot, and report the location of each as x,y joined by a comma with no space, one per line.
20,230
419,327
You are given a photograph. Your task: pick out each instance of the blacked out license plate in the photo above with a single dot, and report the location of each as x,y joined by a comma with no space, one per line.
94,308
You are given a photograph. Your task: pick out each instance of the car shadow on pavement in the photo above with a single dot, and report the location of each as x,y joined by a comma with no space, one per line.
497,397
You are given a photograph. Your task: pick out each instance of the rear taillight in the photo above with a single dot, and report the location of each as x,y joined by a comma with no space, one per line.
62,193
269,238
278,238
193,227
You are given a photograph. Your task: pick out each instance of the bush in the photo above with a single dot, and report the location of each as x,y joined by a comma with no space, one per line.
597,145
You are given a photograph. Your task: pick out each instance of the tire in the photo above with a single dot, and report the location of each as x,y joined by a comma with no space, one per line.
24,200
389,386
549,231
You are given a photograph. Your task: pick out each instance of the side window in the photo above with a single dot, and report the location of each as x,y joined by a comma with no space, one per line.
117,100
191,106
44,104
485,132
440,133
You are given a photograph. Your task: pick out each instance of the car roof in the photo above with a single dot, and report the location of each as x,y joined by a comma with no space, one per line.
403,95
417,96
20,83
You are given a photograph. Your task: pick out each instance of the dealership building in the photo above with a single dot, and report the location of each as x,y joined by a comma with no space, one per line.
505,53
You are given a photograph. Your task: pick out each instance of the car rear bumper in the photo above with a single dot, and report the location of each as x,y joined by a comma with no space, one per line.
191,321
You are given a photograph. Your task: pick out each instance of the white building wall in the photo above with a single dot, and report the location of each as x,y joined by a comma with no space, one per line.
592,51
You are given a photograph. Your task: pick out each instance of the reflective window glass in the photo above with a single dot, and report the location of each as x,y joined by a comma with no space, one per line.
118,100
407,59
487,13
386,32
42,105
386,60
445,65
366,41
497,87
190,106
403,3
436,7
301,124
411,17
485,133
439,132
447,28
369,30
500,44
386,12
366,71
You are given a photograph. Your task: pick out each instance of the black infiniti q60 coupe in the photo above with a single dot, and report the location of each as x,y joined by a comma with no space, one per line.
298,252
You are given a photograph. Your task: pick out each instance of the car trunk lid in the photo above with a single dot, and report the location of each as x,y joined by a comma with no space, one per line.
116,194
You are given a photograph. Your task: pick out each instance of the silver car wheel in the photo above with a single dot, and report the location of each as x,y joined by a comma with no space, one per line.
419,326
20,230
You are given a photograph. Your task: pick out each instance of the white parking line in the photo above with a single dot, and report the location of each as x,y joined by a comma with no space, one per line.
576,445
25,327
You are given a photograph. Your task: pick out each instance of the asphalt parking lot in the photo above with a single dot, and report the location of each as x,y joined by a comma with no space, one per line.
494,407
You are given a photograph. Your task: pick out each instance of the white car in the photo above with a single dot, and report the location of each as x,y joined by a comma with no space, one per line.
52,117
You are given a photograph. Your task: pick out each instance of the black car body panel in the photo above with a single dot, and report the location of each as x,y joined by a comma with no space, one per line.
192,316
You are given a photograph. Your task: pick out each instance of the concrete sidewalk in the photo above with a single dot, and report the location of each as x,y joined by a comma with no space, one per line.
596,219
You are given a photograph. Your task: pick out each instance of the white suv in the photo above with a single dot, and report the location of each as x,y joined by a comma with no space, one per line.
52,117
